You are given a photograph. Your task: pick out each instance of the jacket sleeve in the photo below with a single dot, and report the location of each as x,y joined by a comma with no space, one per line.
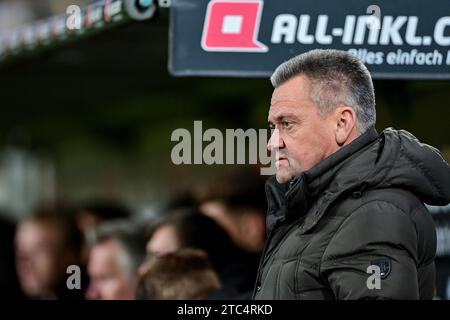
378,236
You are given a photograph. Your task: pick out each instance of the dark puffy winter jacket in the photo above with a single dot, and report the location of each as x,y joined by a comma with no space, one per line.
355,225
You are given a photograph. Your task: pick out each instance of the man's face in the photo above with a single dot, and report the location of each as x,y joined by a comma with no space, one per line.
303,138
164,240
38,257
109,277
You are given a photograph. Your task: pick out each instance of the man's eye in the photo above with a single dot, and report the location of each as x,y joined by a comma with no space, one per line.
271,126
286,124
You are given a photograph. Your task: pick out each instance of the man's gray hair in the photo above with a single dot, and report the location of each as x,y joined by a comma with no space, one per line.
129,237
336,77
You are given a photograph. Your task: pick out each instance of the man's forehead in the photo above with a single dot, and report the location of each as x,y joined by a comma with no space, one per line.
289,108
276,114
40,229
291,97
105,253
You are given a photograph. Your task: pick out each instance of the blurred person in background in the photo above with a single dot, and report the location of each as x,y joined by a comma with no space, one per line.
9,282
192,229
115,256
238,205
185,274
181,199
47,243
92,213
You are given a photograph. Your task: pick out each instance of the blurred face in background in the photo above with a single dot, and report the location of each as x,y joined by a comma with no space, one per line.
111,277
39,258
164,240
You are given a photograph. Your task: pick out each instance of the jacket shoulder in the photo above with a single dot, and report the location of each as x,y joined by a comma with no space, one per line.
388,228
394,218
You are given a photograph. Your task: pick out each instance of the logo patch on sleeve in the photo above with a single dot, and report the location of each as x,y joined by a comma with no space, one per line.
385,266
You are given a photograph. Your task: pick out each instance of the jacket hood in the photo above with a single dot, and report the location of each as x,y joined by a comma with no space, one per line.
393,159
409,164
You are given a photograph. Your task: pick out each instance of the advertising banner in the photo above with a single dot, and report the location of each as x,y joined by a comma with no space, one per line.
407,39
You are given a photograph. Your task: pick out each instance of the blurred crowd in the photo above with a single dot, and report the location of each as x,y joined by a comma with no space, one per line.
205,243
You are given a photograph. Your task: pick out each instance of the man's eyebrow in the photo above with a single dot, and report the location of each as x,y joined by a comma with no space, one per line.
282,116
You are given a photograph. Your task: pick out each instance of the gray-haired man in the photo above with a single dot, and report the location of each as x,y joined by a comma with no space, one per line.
346,218
114,259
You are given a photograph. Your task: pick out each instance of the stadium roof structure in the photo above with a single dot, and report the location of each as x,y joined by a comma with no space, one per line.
76,24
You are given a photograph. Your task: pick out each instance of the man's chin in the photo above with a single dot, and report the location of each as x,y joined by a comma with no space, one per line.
283,177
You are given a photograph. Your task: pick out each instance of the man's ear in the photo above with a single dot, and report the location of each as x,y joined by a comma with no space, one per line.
345,130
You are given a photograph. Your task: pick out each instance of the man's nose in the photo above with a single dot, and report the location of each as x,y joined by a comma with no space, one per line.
275,141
